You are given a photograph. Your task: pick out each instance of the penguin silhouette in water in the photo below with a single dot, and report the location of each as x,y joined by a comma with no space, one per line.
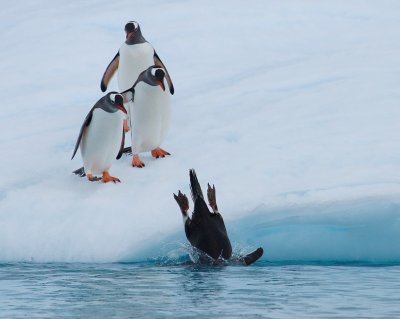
101,138
150,109
206,230
134,56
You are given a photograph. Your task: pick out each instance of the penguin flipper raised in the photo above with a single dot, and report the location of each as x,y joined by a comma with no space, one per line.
109,72
86,123
121,150
158,62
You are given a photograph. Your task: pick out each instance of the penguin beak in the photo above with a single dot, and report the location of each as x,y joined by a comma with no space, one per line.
161,84
129,34
122,108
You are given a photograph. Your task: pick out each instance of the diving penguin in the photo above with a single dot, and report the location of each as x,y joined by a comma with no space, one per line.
101,137
206,230
150,109
134,56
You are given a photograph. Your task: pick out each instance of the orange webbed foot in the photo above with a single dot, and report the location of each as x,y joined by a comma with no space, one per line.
108,178
159,152
136,162
92,178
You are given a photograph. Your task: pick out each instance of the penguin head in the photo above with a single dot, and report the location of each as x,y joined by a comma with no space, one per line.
153,76
131,28
118,101
157,76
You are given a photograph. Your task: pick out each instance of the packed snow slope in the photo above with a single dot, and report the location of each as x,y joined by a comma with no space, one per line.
291,108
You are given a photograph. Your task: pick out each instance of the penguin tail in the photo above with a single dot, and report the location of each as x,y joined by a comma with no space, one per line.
252,257
80,172
195,186
127,150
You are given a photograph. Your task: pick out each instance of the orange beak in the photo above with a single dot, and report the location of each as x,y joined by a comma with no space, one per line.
128,35
161,84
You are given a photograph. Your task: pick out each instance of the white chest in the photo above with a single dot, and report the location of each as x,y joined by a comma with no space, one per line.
133,60
101,140
150,117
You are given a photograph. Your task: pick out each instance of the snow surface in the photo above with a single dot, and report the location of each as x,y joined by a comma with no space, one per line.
290,108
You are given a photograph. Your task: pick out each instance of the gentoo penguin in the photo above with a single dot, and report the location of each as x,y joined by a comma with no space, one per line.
150,110
134,56
206,230
101,137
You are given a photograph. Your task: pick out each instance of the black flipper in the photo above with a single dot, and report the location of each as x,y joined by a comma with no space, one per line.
252,257
158,62
80,172
109,72
86,123
121,150
195,186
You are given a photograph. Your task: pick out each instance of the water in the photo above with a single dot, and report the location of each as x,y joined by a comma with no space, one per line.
150,290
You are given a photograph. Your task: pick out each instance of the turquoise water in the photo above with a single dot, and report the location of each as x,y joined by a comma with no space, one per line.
151,290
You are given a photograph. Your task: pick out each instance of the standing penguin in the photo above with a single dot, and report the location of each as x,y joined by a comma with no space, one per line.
134,56
150,110
101,137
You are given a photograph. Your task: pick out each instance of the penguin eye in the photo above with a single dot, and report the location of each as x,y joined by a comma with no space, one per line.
154,71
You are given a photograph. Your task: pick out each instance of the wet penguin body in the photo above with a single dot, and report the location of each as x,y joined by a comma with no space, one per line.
150,110
101,138
206,230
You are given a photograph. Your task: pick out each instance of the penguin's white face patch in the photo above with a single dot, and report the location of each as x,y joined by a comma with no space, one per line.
153,71
135,24
112,97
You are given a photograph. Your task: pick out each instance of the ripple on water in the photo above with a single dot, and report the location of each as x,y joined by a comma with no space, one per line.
147,290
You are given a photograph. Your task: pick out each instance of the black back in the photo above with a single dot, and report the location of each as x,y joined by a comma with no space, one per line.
206,231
